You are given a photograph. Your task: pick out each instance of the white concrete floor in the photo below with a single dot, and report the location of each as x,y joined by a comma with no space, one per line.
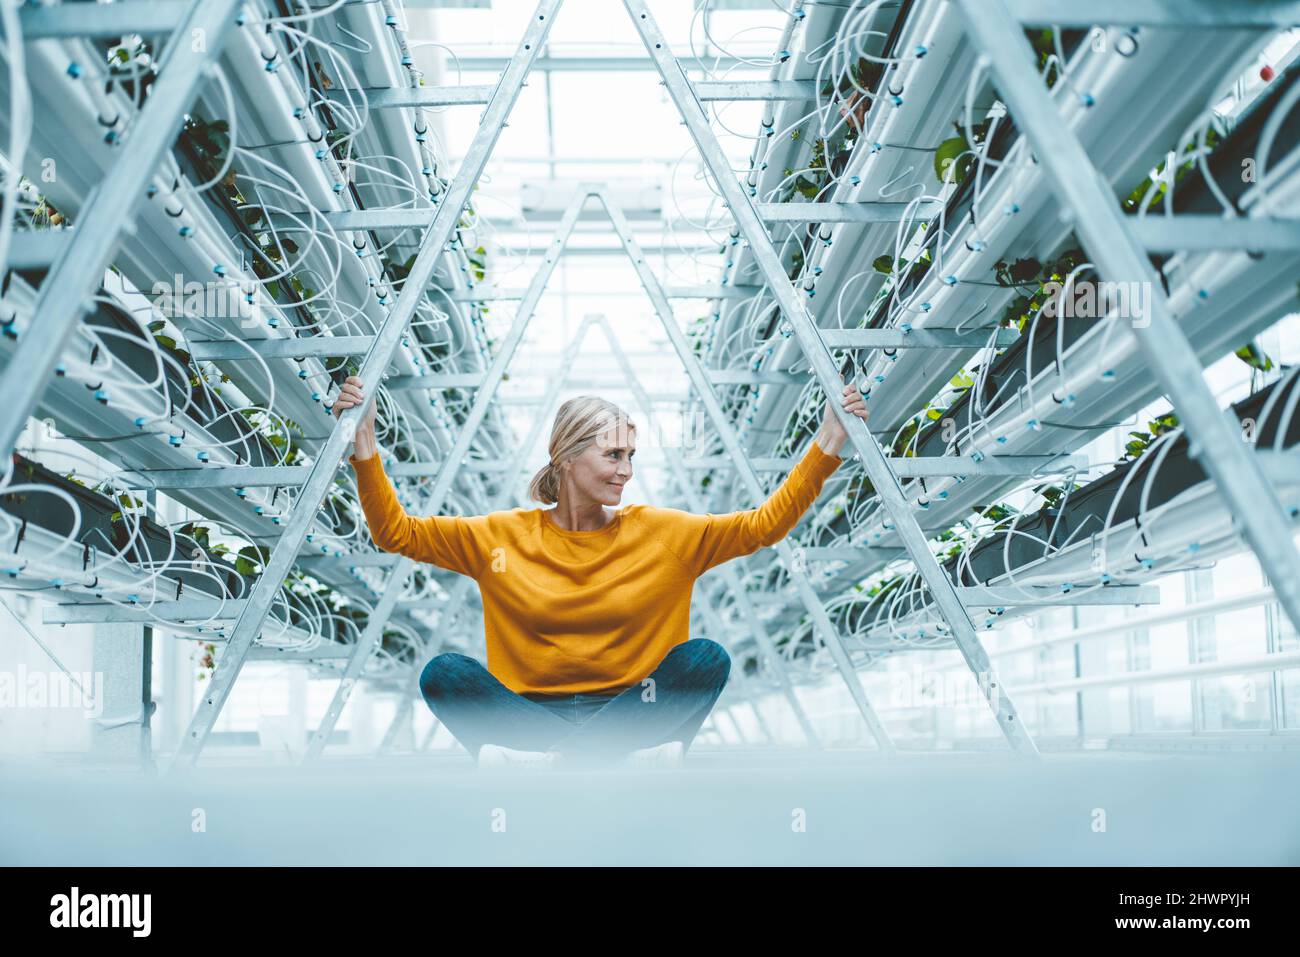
757,807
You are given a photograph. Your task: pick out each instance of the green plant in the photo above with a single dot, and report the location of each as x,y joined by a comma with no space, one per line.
1254,357
1032,273
1139,442
1054,494
1160,177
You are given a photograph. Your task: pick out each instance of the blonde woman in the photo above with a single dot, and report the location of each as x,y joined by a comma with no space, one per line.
586,605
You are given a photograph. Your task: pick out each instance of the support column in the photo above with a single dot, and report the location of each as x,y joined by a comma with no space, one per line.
122,665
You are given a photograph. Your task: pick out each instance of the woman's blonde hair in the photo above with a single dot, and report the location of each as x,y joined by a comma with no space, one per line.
578,423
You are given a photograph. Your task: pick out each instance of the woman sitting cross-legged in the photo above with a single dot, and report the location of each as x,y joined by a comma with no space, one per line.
586,605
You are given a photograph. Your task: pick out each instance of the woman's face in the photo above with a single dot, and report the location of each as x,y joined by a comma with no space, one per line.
601,470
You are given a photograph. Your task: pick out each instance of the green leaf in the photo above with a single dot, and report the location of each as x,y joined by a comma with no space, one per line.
883,264
1254,357
807,188
946,155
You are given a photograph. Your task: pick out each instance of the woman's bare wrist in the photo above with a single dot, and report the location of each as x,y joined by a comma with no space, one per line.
830,443
365,444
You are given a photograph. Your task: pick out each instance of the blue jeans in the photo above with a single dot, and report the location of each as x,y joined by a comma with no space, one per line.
670,704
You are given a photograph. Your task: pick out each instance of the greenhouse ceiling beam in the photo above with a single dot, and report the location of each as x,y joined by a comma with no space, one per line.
1216,14
68,287
1214,433
808,337
376,362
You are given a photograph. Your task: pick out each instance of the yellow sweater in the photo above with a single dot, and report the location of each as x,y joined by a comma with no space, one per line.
592,611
